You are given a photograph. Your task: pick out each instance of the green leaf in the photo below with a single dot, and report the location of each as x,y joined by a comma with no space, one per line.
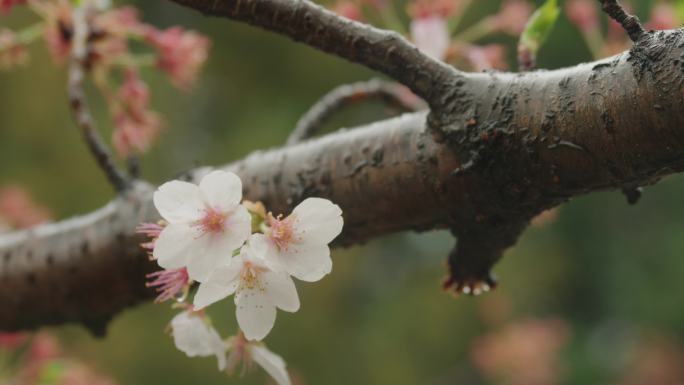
679,9
51,373
539,26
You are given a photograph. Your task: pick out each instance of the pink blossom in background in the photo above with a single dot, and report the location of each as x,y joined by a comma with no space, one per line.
181,53
656,359
79,374
18,210
348,9
12,53
12,340
136,125
120,21
513,16
522,353
428,8
58,29
7,5
583,14
431,35
487,57
663,16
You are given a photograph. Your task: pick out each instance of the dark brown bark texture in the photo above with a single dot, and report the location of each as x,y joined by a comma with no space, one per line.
509,147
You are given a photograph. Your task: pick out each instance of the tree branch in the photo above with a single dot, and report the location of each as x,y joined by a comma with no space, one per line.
385,51
527,142
79,106
629,22
389,93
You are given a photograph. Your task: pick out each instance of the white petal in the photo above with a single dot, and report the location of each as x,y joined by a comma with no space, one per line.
272,363
175,245
307,262
221,189
318,220
238,227
179,202
219,349
214,254
195,338
255,313
221,283
281,290
431,35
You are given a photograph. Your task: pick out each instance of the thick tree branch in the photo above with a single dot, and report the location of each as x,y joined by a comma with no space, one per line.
385,51
319,114
523,143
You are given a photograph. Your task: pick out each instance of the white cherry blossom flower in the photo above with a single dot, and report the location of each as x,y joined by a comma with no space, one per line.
431,35
194,337
206,223
258,287
299,243
248,352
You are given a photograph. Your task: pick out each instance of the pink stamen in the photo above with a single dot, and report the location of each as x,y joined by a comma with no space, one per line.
152,231
282,231
168,283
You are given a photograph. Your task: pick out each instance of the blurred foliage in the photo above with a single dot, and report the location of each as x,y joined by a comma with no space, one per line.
611,273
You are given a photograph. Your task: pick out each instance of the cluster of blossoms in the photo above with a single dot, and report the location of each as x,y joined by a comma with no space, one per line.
436,28
112,64
229,247
39,360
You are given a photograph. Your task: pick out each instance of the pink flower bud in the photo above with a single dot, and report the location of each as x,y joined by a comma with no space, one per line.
136,126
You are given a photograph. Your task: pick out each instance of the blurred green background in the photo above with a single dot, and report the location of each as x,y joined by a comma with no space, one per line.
603,281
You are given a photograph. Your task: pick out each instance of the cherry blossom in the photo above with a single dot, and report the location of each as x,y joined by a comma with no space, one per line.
249,352
195,337
258,289
136,125
299,242
181,53
206,223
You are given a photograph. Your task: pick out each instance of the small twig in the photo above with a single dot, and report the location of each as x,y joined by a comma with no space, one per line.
79,105
133,166
630,23
392,94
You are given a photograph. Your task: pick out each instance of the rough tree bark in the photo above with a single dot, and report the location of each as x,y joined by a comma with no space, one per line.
498,149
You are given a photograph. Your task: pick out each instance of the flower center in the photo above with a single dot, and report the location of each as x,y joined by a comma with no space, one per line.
282,231
249,278
213,221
